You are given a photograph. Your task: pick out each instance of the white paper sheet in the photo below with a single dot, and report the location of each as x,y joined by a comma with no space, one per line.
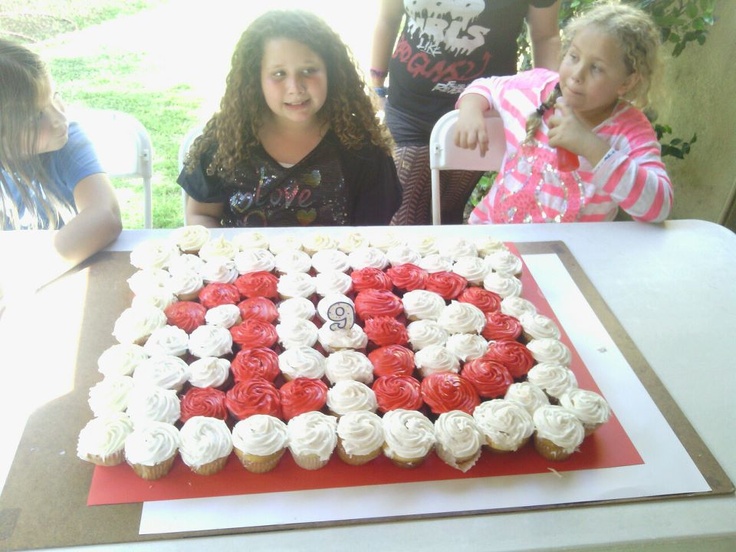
668,469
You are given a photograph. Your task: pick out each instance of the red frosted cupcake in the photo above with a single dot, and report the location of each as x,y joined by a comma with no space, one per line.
446,391
257,284
254,333
255,362
397,392
217,293
407,277
485,300
385,330
392,360
370,278
260,308
490,378
446,284
513,355
203,401
186,315
500,326
377,302
302,395
253,396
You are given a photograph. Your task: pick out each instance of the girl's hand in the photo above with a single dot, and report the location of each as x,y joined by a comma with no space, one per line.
470,128
566,130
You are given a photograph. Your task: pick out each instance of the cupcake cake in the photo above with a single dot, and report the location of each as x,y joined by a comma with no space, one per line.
458,439
102,440
409,437
505,425
558,432
359,437
151,449
206,444
312,439
259,442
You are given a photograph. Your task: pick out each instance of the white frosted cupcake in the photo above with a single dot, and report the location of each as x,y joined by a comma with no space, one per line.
548,349
505,425
296,284
503,285
210,341
186,285
554,379
259,442
110,395
167,371
149,280
527,394
254,260
302,362
225,316
186,262
435,262
559,432
456,247
250,239
402,254
158,298
102,440
297,307
350,365
150,403
151,449
206,444
504,262
383,239
367,257
167,340
296,332
135,325
190,239
538,326
284,242
337,340
330,260
314,242
217,247
121,359
459,317
516,306
350,396
312,439
351,241
473,269
333,281
466,346
359,437
209,372
590,408
218,270
421,304
409,437
458,439
423,333
292,261
434,359
486,245
153,253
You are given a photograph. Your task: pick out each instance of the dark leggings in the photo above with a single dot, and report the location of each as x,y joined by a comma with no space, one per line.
412,165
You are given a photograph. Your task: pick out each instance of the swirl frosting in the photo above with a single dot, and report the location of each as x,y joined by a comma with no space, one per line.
377,302
296,307
224,316
527,394
486,301
435,358
253,396
216,293
426,332
297,332
186,315
448,285
258,308
458,317
110,395
257,284
104,436
209,372
152,443
135,324
260,435
254,333
327,260
348,364
560,426
333,281
553,379
302,362
456,247
207,341
504,262
473,269
397,392
296,284
434,262
370,278
466,346
513,355
250,239
538,326
360,432
392,359
501,327
218,270
349,395
190,238
402,254
302,395
185,285
255,361
506,425
152,403
549,349
203,401
152,254
490,378
167,371
458,439
590,407
284,242
254,260
364,257
168,340
385,330
204,440
516,306
407,276
421,304
312,433
315,242
293,261
409,435
351,241
445,391
121,359
503,285
150,280
217,247
336,340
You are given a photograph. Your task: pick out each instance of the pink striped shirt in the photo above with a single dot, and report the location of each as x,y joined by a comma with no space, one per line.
529,188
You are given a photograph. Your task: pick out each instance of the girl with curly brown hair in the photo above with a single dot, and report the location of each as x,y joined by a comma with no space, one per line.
296,141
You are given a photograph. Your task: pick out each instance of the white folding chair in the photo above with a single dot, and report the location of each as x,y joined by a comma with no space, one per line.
444,154
186,143
123,147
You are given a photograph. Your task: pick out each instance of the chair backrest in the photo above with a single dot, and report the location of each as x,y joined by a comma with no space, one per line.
123,147
444,154
186,143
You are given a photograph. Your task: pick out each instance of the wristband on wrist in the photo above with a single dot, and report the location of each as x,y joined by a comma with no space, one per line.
379,73
381,91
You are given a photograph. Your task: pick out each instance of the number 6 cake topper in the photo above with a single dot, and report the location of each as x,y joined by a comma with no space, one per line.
342,316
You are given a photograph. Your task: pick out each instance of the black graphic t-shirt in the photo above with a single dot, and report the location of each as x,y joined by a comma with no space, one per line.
446,45
331,186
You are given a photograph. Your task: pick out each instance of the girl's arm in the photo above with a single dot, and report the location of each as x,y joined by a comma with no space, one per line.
544,34
205,214
385,31
470,128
